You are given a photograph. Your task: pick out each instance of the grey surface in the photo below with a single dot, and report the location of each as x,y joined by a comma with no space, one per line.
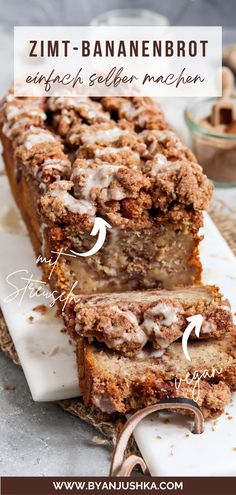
41,439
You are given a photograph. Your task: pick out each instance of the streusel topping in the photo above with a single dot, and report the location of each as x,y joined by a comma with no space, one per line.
115,157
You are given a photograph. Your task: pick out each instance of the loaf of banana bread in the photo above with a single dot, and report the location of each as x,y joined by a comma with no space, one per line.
71,160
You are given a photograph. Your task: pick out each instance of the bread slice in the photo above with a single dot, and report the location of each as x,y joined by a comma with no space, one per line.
125,322
113,382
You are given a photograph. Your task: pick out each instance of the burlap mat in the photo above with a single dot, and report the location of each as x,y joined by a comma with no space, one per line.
225,219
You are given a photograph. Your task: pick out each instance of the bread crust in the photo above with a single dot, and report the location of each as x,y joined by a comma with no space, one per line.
124,385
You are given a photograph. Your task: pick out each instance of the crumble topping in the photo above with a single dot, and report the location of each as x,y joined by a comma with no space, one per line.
52,167
179,181
101,182
112,154
128,169
19,113
83,107
142,112
166,143
58,204
36,135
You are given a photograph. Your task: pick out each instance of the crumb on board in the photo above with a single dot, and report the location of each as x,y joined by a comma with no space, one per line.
30,319
186,435
234,449
63,330
53,351
166,421
9,386
96,440
213,429
41,308
159,437
230,417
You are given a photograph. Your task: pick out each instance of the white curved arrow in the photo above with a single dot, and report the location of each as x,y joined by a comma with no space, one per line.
99,228
195,322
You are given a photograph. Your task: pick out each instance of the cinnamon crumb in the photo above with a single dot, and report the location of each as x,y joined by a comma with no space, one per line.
234,449
53,351
230,417
99,440
31,319
41,308
9,386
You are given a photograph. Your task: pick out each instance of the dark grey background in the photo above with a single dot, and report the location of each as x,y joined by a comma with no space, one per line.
78,12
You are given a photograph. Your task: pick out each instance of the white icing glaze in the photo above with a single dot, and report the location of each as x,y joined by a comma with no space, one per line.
49,164
154,328
150,327
10,97
138,336
55,166
54,162
160,162
160,166
8,129
112,150
100,177
105,135
167,311
208,327
38,136
162,135
92,108
74,205
131,111
149,353
31,108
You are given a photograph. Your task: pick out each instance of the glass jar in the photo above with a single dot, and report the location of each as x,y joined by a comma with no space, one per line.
215,151
130,17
